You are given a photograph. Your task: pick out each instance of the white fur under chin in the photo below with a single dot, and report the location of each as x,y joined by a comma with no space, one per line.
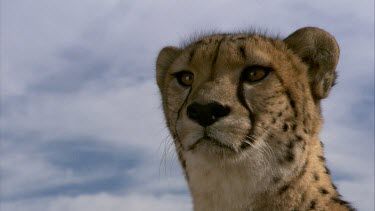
222,185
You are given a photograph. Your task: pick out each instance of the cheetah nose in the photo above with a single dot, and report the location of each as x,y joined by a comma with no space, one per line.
207,114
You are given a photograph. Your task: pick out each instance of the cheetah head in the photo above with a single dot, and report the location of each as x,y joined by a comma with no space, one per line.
227,96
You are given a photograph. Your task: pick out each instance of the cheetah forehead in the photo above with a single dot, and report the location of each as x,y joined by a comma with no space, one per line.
233,50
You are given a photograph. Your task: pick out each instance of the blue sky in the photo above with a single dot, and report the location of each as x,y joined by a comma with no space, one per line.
81,122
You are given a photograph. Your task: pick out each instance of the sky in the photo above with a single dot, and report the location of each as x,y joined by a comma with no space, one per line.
81,120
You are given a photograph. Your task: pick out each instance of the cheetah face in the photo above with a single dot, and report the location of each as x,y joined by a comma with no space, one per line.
225,99
230,94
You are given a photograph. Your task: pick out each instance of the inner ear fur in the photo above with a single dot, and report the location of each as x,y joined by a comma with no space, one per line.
320,52
165,59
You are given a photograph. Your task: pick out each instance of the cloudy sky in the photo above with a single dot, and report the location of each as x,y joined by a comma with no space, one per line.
81,124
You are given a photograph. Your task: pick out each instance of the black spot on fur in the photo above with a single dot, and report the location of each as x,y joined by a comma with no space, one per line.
337,200
285,127
304,121
272,96
292,104
289,156
284,188
183,163
276,179
323,191
304,145
299,138
321,158
243,52
191,55
273,120
294,127
280,114
316,176
312,205
290,145
327,171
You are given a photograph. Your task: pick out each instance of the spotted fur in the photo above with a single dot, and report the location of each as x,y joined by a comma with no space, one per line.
263,152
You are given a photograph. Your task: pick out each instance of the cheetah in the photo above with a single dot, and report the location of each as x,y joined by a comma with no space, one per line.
244,113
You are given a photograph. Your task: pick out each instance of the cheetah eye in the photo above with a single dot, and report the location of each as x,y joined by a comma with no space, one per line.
255,73
185,78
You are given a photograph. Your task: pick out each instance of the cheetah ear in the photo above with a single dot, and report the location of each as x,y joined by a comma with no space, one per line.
320,52
165,59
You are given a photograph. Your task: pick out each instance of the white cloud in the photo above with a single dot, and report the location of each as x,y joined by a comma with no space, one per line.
123,115
364,193
32,32
26,171
103,202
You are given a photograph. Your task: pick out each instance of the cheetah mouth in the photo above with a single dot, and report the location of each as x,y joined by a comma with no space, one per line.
211,141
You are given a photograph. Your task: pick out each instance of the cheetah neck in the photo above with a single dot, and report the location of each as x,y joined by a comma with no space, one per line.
245,186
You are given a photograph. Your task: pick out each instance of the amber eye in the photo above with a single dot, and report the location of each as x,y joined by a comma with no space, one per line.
255,73
185,78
